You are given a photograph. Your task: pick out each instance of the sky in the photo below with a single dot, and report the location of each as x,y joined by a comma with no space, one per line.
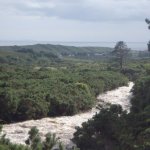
74,20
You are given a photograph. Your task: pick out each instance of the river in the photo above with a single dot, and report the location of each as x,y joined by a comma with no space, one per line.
64,126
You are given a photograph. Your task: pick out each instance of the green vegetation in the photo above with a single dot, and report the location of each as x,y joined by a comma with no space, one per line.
136,69
114,129
102,132
5,144
45,54
148,22
141,91
121,51
35,93
34,142
52,80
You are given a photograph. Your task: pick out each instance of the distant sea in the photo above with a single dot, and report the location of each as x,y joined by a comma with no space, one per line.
133,45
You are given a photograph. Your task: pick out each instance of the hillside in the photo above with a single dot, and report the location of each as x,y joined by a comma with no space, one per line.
46,54
41,53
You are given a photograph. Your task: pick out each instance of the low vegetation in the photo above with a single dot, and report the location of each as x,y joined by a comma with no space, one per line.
45,54
34,142
52,80
36,93
114,129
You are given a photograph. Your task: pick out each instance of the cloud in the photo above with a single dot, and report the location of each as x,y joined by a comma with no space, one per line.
74,20
83,10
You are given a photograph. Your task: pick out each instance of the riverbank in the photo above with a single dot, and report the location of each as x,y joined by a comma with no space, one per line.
64,126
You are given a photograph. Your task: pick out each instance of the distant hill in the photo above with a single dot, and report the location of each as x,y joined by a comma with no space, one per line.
43,54
47,52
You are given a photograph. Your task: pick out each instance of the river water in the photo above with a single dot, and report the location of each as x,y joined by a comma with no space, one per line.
64,126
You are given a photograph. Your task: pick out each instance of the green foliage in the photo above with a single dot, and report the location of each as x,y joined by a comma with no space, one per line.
33,133
61,146
34,142
29,109
36,93
141,93
121,52
51,141
4,147
0,128
136,69
148,22
44,54
102,132
114,129
5,144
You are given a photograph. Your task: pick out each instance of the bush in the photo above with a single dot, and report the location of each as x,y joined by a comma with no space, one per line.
33,94
114,129
102,132
141,92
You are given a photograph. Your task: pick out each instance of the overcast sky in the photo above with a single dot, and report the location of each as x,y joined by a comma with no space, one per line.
74,20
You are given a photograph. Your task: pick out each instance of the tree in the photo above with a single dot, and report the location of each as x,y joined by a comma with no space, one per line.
50,141
34,139
148,46
103,132
148,22
121,51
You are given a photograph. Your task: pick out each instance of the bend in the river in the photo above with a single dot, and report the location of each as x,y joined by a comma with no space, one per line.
64,126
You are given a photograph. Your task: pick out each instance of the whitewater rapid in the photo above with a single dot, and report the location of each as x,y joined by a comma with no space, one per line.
64,126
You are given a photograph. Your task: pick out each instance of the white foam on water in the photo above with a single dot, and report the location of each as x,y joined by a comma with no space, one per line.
64,126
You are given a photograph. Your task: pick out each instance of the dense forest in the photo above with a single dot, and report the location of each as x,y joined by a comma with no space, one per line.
47,81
